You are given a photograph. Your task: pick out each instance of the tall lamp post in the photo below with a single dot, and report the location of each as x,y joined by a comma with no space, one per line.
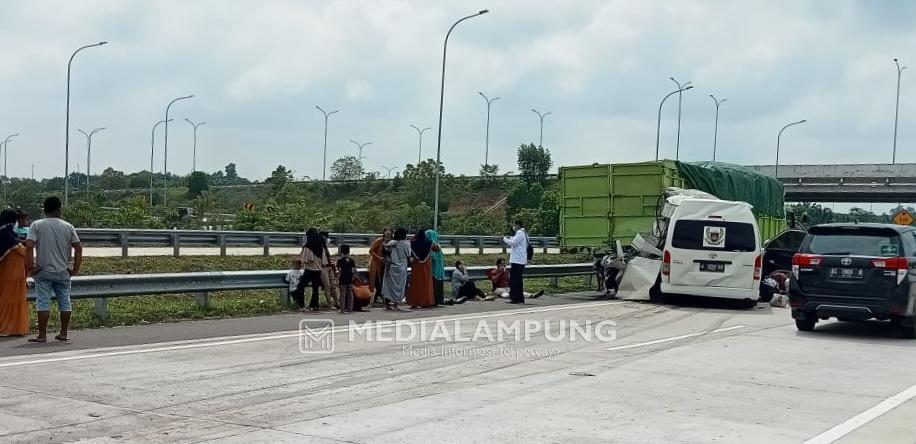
6,152
776,175
420,135
486,152
681,89
89,151
541,117
389,170
658,129
152,152
194,152
360,147
897,109
324,167
441,105
165,148
67,138
715,132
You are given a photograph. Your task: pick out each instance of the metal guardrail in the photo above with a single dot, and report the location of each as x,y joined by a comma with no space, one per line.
100,237
102,287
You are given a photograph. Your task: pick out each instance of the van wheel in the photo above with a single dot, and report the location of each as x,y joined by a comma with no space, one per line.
749,304
906,327
805,324
655,292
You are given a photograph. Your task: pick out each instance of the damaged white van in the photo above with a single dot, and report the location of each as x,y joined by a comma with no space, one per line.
712,249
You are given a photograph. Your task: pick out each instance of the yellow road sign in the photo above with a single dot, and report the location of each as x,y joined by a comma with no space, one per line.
903,217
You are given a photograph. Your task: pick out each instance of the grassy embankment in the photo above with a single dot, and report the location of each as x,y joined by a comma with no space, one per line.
156,309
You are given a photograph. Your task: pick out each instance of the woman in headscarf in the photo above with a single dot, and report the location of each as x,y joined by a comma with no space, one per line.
14,309
377,263
420,293
396,268
313,261
438,267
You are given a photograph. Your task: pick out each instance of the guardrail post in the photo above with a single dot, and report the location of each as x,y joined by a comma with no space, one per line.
544,244
176,245
283,297
101,308
587,280
457,246
554,282
265,242
123,237
479,242
202,298
222,245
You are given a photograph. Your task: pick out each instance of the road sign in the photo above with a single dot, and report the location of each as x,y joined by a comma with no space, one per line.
903,217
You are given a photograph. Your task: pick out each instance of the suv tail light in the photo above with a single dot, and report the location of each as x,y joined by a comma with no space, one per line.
666,265
758,265
805,260
901,264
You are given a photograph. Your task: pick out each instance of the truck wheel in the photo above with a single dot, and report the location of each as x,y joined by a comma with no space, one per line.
906,328
805,324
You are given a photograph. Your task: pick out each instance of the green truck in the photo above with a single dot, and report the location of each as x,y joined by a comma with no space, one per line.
603,203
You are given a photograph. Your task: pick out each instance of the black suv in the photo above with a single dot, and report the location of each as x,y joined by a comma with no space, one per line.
855,272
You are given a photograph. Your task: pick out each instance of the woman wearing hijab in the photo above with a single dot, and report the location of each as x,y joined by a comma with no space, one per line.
14,309
438,267
420,293
377,263
398,252
313,261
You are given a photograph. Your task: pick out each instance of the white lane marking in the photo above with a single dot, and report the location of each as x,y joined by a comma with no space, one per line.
231,340
851,424
675,338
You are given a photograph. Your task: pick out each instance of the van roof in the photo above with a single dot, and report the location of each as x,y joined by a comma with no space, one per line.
703,208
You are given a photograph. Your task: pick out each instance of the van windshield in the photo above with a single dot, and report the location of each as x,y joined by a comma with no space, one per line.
714,235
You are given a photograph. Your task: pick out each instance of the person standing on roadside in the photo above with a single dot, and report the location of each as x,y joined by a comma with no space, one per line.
346,267
518,259
14,308
396,270
438,268
311,258
330,275
52,240
377,264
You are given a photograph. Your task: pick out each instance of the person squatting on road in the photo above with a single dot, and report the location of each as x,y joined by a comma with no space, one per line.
52,240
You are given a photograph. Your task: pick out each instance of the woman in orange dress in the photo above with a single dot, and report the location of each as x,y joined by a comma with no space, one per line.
14,309
377,263
420,293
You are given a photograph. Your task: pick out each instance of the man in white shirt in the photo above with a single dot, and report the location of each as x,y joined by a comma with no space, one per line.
518,258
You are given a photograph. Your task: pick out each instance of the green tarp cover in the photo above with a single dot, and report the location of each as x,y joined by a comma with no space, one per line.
734,182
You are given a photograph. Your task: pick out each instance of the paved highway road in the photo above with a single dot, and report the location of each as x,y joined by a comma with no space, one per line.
673,374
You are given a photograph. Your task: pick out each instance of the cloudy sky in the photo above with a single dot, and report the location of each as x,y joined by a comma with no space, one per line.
258,68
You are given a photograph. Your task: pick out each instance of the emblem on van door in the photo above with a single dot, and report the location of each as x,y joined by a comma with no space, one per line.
713,255
847,261
714,237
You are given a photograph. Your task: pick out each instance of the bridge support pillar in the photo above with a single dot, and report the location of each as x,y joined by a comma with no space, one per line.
202,298
101,308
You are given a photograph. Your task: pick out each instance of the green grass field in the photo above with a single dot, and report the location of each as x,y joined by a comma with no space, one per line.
139,310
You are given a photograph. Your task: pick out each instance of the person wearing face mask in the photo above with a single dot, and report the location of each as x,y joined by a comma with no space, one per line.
14,309
22,223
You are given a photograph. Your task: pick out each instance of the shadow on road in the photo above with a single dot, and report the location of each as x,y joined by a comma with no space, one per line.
864,331
705,304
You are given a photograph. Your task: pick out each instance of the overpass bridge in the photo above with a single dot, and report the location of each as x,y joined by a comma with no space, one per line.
869,183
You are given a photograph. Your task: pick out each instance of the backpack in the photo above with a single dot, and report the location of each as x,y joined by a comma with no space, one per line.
529,251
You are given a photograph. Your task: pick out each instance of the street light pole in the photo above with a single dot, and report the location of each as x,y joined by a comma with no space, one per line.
6,152
441,106
67,138
680,87
776,175
360,147
152,152
165,149
541,116
897,109
420,134
89,152
389,170
324,167
194,153
715,133
486,152
658,129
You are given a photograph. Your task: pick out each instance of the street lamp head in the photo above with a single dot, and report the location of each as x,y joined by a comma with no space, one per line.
689,87
803,121
105,42
483,11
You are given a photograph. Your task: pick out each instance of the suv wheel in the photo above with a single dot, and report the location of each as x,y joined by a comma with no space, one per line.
906,327
805,324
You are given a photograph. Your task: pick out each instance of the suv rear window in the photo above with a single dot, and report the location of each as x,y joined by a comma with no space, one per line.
853,241
706,234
